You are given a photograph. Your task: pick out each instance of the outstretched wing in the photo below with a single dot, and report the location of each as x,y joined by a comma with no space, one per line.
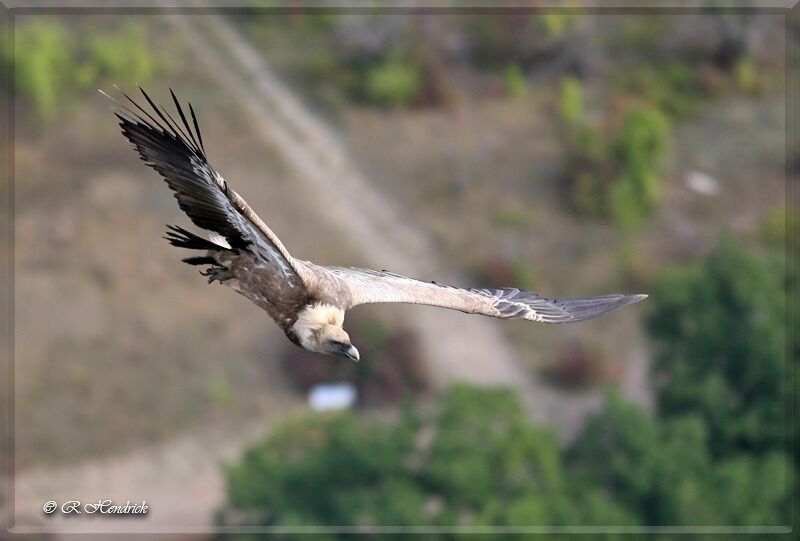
176,151
364,286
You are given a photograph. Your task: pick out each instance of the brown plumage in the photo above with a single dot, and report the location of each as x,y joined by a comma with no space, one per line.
307,301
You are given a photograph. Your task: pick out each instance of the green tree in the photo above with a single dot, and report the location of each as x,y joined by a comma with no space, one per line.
485,446
477,461
665,474
614,451
327,470
720,334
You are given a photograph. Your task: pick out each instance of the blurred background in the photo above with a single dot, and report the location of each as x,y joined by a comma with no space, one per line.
565,152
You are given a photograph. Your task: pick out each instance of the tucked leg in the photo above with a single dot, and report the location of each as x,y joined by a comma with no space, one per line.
220,274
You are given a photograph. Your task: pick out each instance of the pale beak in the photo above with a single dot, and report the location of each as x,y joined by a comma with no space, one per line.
352,353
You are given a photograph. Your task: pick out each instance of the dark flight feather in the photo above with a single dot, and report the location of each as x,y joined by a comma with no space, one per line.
202,260
177,155
174,148
197,128
180,237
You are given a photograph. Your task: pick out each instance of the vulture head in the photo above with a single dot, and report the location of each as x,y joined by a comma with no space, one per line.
319,328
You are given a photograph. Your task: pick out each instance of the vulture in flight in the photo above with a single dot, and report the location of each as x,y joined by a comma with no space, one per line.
306,300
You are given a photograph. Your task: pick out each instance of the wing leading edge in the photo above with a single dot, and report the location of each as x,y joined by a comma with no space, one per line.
368,286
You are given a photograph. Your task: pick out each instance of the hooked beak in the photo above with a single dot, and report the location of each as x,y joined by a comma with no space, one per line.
352,354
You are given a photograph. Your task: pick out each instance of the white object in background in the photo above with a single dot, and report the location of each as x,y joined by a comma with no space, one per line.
701,183
332,396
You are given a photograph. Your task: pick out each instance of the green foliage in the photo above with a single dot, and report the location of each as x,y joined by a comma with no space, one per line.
748,489
54,63
327,470
556,23
477,461
641,146
665,472
746,75
570,104
620,438
122,56
628,453
619,174
720,331
484,445
394,81
514,78
779,229
44,53
674,88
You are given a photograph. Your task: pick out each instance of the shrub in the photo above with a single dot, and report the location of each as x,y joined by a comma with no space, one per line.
745,73
516,86
675,89
641,146
44,60
618,175
394,82
53,63
570,105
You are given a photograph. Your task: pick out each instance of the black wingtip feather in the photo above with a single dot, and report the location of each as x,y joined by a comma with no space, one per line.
201,260
175,151
183,119
181,238
160,114
197,128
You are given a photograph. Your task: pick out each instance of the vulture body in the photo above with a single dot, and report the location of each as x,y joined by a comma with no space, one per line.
307,301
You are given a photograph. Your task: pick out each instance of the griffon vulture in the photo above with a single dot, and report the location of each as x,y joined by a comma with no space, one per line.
306,300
